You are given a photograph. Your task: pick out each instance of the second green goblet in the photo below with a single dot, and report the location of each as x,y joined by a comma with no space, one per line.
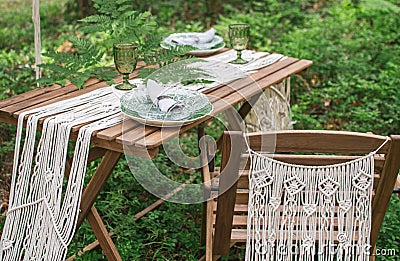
125,59
239,37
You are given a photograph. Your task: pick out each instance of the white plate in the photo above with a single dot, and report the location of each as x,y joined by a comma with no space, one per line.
206,52
199,52
137,105
215,45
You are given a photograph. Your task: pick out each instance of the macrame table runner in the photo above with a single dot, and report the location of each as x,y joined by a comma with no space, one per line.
41,218
292,208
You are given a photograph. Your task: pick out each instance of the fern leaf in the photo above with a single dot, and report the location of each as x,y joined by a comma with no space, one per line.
56,68
103,19
79,43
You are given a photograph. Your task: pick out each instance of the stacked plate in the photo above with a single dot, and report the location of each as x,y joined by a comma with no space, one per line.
202,49
137,105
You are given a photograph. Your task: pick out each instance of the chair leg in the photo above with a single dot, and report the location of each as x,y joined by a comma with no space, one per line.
207,214
372,253
209,230
200,134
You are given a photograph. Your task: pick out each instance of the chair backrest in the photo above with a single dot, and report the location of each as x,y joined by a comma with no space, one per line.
298,149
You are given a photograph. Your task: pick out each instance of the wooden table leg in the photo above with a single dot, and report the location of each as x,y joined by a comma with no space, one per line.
93,216
97,183
102,235
88,211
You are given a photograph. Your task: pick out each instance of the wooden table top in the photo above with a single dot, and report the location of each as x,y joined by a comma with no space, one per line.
145,140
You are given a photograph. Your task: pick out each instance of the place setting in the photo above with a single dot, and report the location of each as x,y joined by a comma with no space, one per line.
157,103
151,102
205,43
163,106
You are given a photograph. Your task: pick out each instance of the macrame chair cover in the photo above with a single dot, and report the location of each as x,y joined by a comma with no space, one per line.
298,212
42,216
272,109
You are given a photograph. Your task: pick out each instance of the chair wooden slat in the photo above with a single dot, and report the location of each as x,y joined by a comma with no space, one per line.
324,142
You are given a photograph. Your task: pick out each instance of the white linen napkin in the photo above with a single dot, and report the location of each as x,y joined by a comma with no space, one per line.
197,38
159,98
263,62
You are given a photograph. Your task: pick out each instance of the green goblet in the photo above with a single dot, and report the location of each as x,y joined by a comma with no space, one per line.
125,59
239,37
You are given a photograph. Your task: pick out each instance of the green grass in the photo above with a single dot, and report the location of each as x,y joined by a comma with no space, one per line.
352,85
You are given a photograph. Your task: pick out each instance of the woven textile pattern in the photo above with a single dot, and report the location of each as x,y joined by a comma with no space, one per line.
42,214
301,212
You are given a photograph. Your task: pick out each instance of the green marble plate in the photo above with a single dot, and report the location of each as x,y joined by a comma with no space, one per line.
137,105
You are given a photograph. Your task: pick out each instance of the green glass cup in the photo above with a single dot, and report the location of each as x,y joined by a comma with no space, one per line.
125,59
239,38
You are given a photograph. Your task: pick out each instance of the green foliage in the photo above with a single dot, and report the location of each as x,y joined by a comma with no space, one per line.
114,22
354,78
269,20
166,56
15,74
118,22
77,67
174,72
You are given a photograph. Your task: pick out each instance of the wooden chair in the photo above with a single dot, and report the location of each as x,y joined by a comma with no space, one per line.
226,215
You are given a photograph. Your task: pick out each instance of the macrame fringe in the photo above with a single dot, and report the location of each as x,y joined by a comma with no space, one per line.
42,217
299,212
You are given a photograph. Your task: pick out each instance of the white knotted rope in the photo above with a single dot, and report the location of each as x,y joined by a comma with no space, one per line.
42,216
291,212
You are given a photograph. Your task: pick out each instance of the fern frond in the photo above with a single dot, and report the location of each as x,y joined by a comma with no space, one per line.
166,56
58,69
94,28
79,78
79,43
102,19
46,81
104,73
151,42
177,72
118,22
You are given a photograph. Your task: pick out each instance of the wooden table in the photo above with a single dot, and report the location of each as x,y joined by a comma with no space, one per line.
108,143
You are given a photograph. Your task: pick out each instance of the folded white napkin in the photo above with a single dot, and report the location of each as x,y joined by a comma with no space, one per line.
160,98
196,38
